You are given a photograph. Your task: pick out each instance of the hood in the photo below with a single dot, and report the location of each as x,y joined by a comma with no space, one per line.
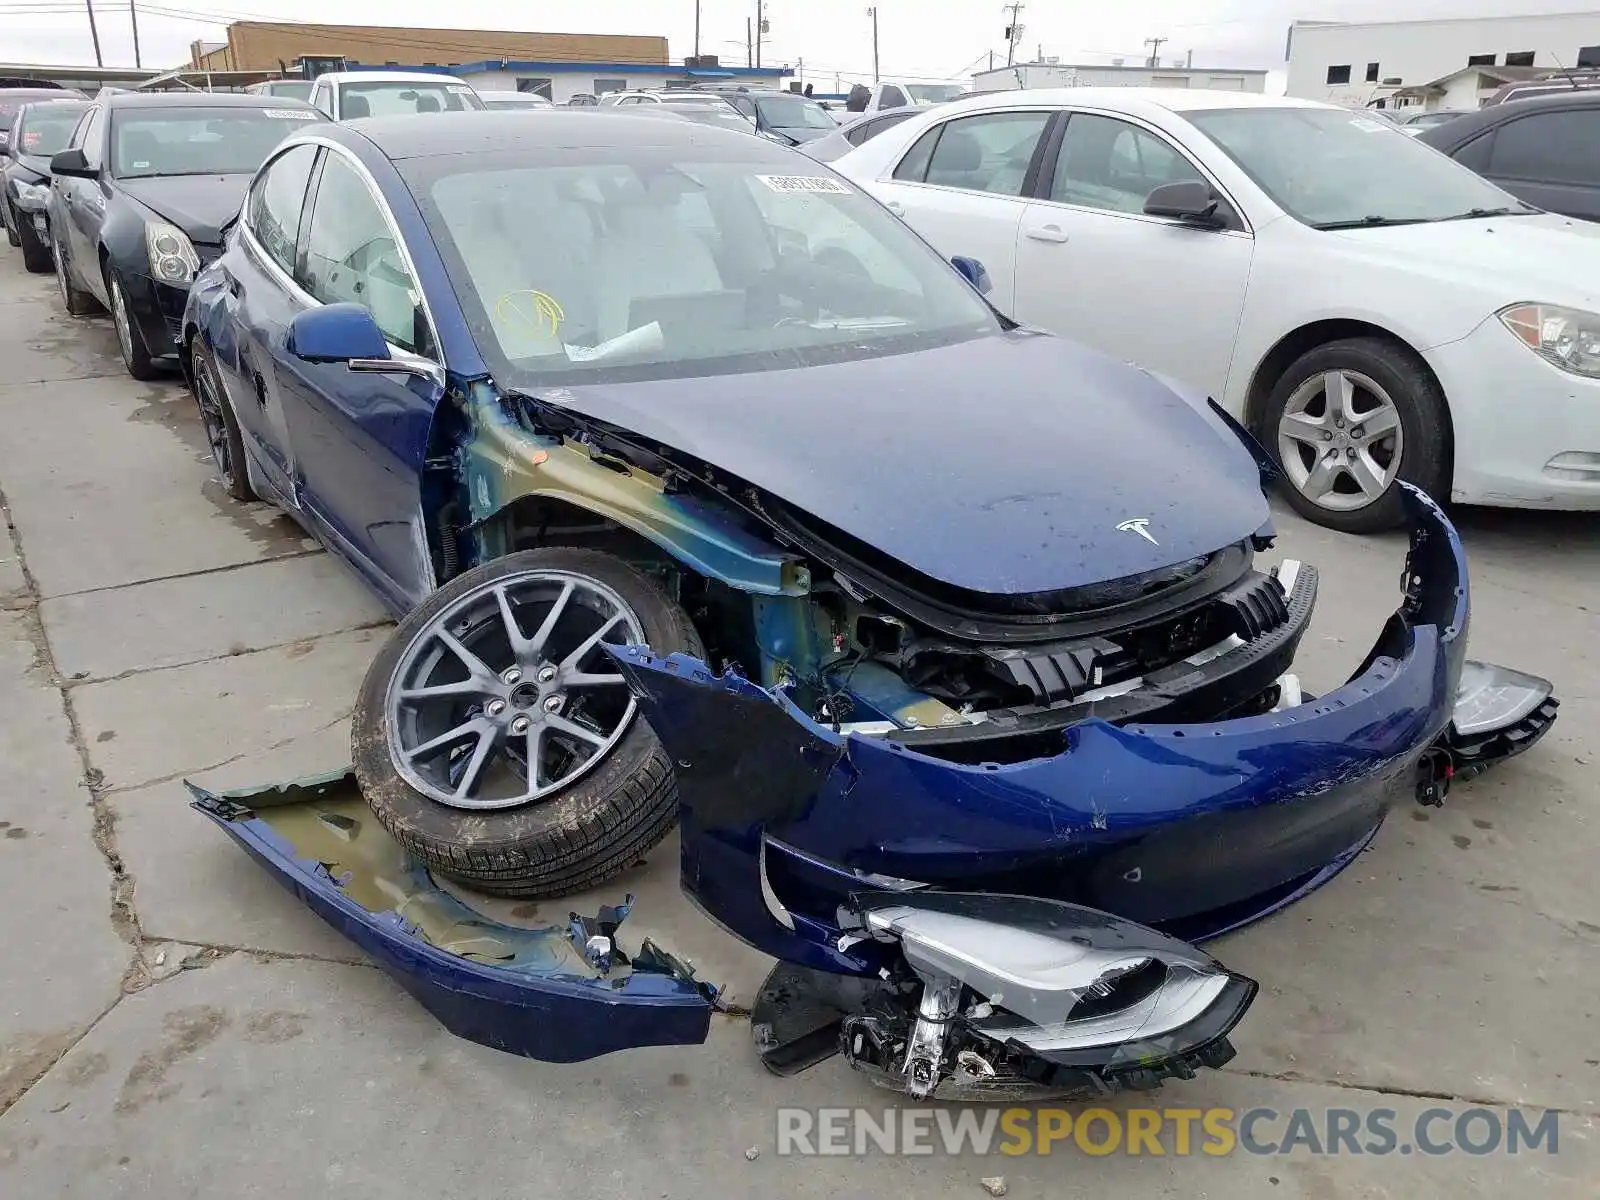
197,204
1541,257
1002,465
30,168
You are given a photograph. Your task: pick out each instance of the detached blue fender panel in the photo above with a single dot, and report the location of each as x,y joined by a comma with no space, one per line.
531,992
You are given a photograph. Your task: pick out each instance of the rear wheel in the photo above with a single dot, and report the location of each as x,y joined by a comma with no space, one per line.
1347,422
494,738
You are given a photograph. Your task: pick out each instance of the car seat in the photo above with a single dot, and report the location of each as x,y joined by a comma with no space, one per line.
356,106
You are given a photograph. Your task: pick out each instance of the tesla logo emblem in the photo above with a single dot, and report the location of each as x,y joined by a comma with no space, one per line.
1139,525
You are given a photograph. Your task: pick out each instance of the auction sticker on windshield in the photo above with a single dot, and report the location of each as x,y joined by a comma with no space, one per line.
288,114
804,183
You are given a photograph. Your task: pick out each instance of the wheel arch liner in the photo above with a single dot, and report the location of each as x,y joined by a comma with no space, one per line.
538,993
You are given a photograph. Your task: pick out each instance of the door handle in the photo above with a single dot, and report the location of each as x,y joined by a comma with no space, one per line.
1047,233
896,208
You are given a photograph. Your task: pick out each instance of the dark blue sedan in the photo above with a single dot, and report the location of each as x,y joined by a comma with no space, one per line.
704,488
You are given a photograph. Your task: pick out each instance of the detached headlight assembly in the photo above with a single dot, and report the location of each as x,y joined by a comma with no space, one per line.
172,256
1568,338
32,196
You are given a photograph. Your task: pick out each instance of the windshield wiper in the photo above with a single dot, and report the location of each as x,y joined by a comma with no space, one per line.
1521,210
1370,222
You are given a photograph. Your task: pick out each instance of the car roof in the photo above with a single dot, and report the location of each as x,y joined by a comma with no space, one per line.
200,100
1135,100
390,77
481,131
1449,134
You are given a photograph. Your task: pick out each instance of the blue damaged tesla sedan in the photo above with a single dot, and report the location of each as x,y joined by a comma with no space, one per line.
707,493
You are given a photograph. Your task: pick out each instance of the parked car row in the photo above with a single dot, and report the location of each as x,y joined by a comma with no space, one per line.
1366,307
592,403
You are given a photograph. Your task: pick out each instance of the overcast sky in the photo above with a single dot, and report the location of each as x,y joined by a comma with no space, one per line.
917,38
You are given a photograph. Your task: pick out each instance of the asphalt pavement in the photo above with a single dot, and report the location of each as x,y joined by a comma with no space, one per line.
173,1024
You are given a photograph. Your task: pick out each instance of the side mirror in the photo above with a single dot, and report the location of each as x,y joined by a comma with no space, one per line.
1189,200
72,163
973,272
337,333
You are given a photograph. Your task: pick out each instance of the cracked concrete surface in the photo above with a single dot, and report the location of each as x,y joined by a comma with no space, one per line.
170,1018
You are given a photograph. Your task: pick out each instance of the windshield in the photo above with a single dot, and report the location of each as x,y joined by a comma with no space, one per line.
515,102
793,112
935,93
198,141
1332,169
581,266
402,98
46,130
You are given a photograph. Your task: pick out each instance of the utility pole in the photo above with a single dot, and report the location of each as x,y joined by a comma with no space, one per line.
873,13
94,33
1013,33
1188,61
749,55
761,23
697,28
1155,50
133,19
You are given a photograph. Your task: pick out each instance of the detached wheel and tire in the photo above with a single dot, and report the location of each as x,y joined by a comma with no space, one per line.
494,739
1347,421
221,426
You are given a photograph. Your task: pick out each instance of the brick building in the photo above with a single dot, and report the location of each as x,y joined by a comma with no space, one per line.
265,45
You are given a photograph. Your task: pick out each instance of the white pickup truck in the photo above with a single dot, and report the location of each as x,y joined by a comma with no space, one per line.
889,94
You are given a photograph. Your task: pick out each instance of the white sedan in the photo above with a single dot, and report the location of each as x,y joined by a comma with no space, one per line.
1370,309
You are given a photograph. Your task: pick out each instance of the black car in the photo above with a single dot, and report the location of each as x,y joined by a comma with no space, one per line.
1545,151
139,199
40,129
786,117
14,97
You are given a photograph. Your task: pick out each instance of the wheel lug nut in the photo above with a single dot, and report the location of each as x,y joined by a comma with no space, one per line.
1357,432
546,674
552,704
1327,435
1350,453
512,675
520,725
495,707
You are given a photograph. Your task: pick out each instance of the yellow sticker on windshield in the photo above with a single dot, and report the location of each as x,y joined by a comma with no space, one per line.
532,310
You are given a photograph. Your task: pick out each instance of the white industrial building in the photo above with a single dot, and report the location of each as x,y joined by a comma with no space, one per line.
1058,75
1450,64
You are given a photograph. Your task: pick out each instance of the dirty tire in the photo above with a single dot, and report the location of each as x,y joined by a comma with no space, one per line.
603,823
12,228
1424,421
235,481
74,299
35,251
130,341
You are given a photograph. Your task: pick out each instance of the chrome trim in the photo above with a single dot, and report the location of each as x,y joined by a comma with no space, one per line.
1184,996
400,362
775,907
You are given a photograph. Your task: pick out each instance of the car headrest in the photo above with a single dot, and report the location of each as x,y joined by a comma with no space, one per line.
958,150
356,106
427,104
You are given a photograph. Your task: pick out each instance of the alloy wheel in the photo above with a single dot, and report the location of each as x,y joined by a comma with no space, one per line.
215,424
1340,440
507,696
119,318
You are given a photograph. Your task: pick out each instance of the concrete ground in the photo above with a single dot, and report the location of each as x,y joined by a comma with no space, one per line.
172,1024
